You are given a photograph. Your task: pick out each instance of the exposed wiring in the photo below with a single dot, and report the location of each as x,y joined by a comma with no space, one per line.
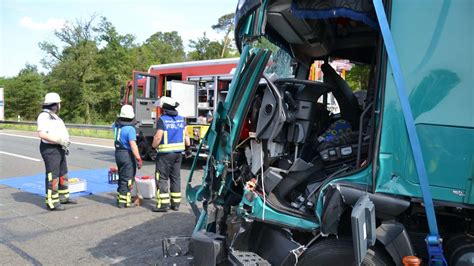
243,142
297,252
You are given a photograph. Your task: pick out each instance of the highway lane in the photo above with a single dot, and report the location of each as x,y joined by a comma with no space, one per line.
93,232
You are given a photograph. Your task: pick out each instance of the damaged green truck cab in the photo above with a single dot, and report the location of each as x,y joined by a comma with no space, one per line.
283,191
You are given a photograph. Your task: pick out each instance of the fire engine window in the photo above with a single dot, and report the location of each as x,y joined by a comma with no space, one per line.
153,87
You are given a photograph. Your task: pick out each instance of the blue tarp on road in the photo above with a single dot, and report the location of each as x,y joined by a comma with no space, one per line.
97,182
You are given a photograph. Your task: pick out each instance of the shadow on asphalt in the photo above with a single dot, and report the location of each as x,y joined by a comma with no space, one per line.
109,156
185,164
141,244
27,197
103,199
111,200
188,163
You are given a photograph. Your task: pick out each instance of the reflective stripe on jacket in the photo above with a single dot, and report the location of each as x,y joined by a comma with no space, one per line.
173,134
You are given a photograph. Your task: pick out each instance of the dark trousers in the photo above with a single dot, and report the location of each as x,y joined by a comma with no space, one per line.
168,168
56,181
127,168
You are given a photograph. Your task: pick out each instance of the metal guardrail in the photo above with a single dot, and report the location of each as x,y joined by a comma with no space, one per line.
78,126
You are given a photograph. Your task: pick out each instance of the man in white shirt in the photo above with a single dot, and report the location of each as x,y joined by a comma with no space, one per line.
53,148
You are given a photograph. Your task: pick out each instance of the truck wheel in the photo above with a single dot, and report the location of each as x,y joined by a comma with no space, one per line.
460,249
340,251
143,149
152,154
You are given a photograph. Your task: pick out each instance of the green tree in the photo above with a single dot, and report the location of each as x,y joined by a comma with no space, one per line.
164,47
74,71
264,43
225,24
203,49
93,61
24,93
358,77
88,72
115,64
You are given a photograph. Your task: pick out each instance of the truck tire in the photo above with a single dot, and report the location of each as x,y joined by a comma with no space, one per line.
143,149
459,249
340,251
152,154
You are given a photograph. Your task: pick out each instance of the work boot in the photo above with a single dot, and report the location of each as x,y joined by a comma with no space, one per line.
58,207
175,207
68,201
161,209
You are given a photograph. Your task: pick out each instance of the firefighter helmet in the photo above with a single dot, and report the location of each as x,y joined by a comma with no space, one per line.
127,112
165,101
52,97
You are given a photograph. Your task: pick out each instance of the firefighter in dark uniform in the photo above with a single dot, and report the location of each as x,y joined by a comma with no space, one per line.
169,141
127,156
54,148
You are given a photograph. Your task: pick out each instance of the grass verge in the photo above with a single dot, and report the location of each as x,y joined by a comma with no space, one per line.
95,133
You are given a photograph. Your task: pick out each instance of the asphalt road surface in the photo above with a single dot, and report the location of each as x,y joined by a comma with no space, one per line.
94,231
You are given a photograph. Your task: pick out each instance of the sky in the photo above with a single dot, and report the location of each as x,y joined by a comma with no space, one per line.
25,23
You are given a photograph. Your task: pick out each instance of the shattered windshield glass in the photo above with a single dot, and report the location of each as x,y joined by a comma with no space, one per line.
280,64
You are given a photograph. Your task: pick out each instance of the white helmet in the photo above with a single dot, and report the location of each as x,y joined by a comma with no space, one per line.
52,97
167,100
127,112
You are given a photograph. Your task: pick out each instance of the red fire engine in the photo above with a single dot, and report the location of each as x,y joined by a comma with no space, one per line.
196,85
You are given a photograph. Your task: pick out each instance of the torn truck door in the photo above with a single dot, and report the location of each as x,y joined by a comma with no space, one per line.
225,129
249,21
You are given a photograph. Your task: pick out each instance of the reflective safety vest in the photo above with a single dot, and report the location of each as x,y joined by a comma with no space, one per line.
173,134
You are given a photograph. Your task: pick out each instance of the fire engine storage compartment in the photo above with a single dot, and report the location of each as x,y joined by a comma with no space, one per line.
211,89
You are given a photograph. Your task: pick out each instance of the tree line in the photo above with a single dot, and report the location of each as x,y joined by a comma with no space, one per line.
95,60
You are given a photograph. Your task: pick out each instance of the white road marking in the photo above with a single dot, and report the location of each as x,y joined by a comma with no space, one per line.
93,145
73,142
20,136
20,156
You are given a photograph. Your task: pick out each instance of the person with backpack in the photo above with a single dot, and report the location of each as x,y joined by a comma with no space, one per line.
127,156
